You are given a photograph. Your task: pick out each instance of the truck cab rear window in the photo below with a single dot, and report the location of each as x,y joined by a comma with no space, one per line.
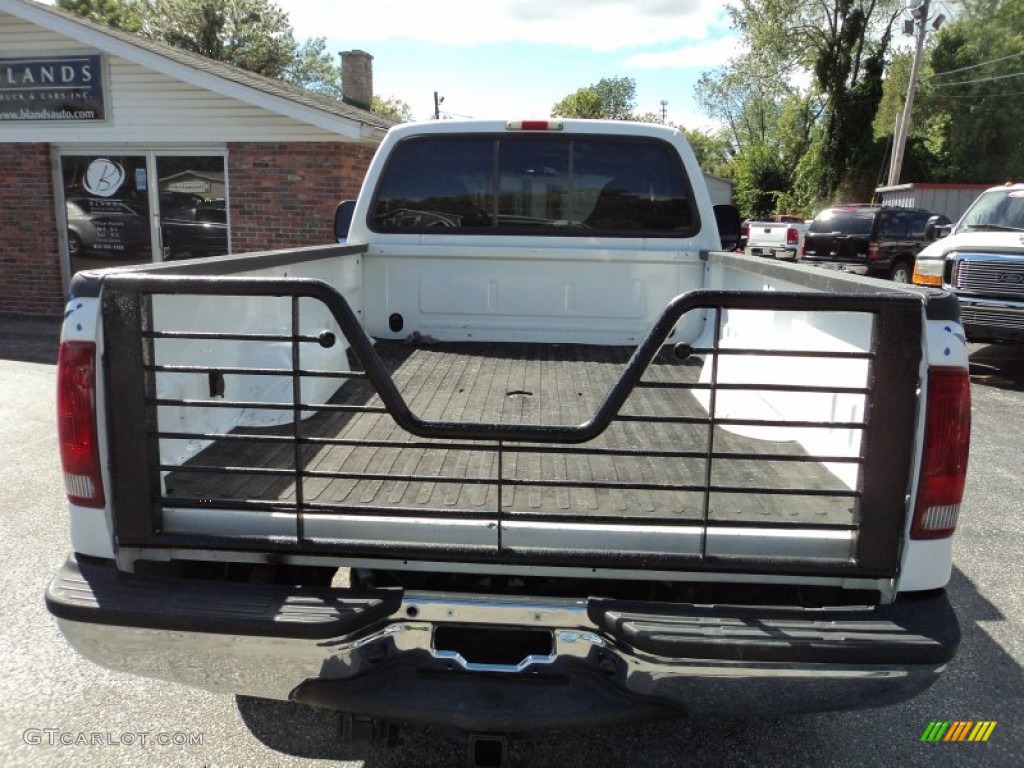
545,185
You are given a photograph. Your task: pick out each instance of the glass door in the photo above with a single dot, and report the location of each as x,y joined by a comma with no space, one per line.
106,202
116,213
192,204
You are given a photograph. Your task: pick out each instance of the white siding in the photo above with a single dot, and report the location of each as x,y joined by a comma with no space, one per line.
948,199
719,189
146,106
951,202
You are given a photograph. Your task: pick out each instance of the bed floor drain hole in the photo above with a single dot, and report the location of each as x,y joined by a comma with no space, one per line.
519,393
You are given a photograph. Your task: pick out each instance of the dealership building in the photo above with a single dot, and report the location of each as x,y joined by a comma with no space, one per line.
116,149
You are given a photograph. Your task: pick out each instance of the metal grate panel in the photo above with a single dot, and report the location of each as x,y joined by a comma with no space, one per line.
513,453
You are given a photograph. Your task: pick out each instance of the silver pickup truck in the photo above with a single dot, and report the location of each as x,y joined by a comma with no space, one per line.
779,239
528,450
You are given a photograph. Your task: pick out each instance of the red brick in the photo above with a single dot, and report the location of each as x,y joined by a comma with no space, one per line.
281,196
29,256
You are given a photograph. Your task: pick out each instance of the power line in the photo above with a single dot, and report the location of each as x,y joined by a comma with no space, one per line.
995,95
979,80
975,66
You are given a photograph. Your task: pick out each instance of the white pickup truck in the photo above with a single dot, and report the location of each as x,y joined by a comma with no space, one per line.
529,450
780,239
982,262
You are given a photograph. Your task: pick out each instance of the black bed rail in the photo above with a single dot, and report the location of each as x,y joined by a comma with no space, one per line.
139,475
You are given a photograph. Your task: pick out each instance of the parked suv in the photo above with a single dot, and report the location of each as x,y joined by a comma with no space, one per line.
876,240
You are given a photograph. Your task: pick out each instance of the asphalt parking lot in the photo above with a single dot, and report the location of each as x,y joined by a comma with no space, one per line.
49,695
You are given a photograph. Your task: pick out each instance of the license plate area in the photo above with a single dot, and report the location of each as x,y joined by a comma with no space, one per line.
507,648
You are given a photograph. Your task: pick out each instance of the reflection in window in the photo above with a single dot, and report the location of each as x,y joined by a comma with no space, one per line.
107,208
550,185
193,209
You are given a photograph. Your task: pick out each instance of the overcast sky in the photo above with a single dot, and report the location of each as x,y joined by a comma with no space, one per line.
516,58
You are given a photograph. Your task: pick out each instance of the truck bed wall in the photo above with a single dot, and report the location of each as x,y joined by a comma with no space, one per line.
551,293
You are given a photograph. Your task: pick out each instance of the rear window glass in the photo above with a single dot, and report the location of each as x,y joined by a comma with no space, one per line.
530,184
842,222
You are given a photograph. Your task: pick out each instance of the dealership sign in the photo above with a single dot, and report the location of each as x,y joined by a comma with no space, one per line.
57,88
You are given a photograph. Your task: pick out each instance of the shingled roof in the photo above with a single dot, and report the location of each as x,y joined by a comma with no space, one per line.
92,33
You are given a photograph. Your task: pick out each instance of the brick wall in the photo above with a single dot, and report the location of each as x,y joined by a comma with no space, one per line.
30,282
357,78
284,195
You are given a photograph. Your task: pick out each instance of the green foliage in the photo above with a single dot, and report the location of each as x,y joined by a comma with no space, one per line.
968,113
584,103
746,96
122,14
648,117
804,195
314,69
848,69
392,109
252,34
713,152
817,131
761,178
611,98
894,94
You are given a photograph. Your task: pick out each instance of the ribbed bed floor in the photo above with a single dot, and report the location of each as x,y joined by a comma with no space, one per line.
634,470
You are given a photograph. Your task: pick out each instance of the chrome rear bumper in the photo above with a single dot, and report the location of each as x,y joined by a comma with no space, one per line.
440,658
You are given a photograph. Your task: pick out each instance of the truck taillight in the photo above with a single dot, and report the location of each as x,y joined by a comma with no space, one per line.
873,252
792,236
76,423
947,437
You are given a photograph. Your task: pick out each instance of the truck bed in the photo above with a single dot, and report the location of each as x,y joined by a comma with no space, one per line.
652,463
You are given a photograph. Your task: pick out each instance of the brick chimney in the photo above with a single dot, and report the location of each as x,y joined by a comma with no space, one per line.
357,78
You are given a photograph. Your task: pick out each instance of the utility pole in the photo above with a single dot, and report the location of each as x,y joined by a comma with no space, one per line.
437,106
664,111
919,13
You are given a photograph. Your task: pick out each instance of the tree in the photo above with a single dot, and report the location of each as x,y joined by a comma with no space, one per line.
761,179
251,34
584,103
611,98
839,48
969,111
713,151
122,14
392,109
314,69
746,96
894,93
848,68
769,124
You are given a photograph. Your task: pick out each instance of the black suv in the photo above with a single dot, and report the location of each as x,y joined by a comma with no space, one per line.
876,240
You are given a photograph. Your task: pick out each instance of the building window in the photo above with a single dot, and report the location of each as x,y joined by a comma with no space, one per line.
116,215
